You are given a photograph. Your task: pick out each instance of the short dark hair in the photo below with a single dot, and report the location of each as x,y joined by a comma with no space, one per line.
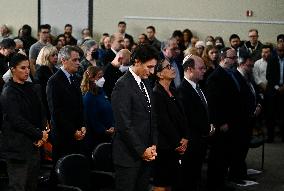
144,53
68,25
151,27
189,63
280,36
177,33
265,46
7,43
16,59
253,30
45,26
234,36
121,23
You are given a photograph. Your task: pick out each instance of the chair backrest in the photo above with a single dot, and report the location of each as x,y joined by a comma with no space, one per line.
102,157
74,170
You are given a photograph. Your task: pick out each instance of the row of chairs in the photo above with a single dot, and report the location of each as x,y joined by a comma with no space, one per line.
75,173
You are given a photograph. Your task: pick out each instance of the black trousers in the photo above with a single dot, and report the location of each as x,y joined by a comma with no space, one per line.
192,162
133,178
23,174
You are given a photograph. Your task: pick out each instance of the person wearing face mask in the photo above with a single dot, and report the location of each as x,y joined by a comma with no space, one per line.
91,55
97,109
115,70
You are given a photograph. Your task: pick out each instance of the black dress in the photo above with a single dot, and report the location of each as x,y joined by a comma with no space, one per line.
171,125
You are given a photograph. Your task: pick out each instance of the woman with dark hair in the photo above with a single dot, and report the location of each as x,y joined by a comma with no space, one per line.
219,43
142,39
23,126
97,109
187,35
171,123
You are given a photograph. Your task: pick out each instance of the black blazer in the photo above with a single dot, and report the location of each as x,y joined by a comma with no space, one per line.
273,74
171,120
134,122
66,109
109,56
42,75
196,113
223,98
249,99
111,75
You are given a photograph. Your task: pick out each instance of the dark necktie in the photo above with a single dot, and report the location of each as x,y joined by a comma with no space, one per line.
73,81
143,89
201,96
234,79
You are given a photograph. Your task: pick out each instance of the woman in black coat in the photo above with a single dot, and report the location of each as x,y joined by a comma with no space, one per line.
22,128
172,136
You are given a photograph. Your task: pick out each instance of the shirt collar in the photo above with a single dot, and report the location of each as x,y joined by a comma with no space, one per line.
192,83
67,74
115,52
137,78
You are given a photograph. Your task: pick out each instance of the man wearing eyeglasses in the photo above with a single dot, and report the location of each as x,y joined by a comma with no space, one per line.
253,46
224,103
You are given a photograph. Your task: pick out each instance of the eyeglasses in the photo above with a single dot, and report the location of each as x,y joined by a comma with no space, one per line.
233,58
169,67
253,36
54,54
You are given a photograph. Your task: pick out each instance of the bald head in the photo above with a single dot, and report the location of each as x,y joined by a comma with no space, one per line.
116,41
124,56
194,68
121,58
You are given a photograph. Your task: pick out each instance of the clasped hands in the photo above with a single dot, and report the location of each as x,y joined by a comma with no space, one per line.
183,146
150,153
80,134
44,138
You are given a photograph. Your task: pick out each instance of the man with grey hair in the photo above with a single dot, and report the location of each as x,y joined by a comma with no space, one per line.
171,51
65,104
91,56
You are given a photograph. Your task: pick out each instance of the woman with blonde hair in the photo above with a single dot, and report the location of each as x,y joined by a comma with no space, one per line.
45,68
97,109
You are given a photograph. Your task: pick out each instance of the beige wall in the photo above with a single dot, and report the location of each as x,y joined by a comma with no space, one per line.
106,17
16,13
108,12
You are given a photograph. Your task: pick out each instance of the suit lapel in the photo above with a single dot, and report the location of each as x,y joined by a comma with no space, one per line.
136,89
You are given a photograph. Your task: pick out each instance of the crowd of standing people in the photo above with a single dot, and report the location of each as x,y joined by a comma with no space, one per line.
166,107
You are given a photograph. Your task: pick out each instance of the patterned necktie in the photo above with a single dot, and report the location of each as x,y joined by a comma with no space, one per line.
201,95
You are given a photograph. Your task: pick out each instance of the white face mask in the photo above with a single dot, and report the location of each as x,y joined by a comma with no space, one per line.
100,82
123,68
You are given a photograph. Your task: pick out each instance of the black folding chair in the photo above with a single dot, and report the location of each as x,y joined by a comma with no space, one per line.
103,170
73,173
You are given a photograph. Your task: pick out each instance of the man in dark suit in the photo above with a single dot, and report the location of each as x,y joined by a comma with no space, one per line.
224,110
134,143
275,92
196,111
65,104
251,109
115,69
116,41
